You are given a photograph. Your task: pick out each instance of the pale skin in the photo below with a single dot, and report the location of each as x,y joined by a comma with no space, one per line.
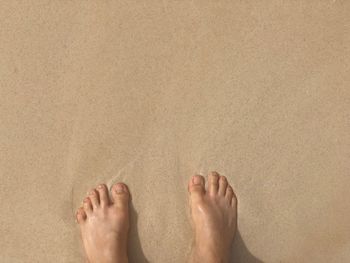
104,221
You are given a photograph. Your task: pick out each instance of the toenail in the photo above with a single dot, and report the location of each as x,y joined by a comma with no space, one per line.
196,180
86,200
100,186
119,188
92,192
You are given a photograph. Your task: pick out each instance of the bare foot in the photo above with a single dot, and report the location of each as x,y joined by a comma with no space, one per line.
214,218
104,224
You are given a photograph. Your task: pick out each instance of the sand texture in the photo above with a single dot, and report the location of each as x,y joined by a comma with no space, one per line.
151,92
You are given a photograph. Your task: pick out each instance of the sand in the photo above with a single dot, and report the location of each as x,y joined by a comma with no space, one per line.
150,93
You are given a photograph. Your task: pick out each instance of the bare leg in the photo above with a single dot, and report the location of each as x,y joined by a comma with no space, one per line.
104,224
214,218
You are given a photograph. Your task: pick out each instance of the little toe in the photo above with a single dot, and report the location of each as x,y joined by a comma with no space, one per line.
87,206
222,185
229,194
103,194
120,193
196,186
213,183
80,215
93,195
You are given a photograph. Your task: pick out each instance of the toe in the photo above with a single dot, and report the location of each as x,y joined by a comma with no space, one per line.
213,183
196,186
229,194
80,215
234,200
87,206
222,185
120,193
93,195
103,194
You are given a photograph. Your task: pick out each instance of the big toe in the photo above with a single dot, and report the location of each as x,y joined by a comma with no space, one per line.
196,187
120,194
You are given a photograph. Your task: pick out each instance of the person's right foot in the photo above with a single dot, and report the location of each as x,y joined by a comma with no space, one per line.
214,218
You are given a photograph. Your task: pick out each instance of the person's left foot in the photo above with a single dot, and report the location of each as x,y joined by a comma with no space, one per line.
104,224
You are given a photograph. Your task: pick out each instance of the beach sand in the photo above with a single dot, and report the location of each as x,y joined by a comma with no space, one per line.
150,93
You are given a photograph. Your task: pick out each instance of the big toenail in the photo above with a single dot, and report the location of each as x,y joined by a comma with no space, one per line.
119,188
196,180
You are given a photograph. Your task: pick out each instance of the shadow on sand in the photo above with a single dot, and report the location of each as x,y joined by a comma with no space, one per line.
135,251
240,253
